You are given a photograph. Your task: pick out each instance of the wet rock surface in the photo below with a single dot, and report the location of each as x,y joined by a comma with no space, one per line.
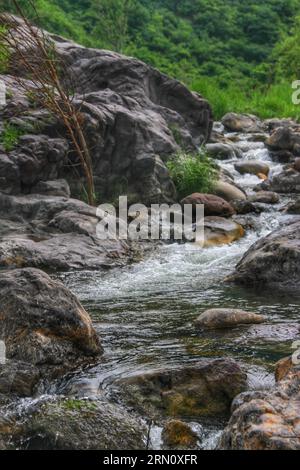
205,389
43,325
220,231
71,424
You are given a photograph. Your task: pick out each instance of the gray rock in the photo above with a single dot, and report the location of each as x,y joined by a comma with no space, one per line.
55,233
284,138
222,151
52,188
226,318
265,197
273,261
293,207
134,119
286,182
220,231
43,324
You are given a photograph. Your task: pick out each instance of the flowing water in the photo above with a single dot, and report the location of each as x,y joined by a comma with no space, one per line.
144,313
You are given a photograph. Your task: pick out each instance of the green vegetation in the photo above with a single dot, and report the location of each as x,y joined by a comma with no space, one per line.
72,404
4,54
241,55
192,173
9,137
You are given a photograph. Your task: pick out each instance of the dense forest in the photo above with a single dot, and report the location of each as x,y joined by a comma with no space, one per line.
240,55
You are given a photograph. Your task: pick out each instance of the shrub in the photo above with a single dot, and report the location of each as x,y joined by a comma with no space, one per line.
10,137
192,173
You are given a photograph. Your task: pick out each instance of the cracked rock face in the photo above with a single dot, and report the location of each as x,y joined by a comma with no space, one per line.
134,119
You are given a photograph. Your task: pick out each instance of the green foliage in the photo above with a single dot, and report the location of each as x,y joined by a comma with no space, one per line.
4,53
266,102
192,173
286,55
9,137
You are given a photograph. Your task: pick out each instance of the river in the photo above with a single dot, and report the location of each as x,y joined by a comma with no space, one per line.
144,313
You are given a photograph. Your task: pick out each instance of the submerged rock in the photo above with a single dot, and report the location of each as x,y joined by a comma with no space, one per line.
43,325
227,318
273,261
266,420
71,424
204,389
179,435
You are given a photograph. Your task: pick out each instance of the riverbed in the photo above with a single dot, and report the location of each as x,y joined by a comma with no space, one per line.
144,313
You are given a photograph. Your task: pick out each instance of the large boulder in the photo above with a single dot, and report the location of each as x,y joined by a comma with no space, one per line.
55,233
134,118
241,123
227,318
273,261
213,205
288,181
204,389
44,325
266,420
61,423
284,138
